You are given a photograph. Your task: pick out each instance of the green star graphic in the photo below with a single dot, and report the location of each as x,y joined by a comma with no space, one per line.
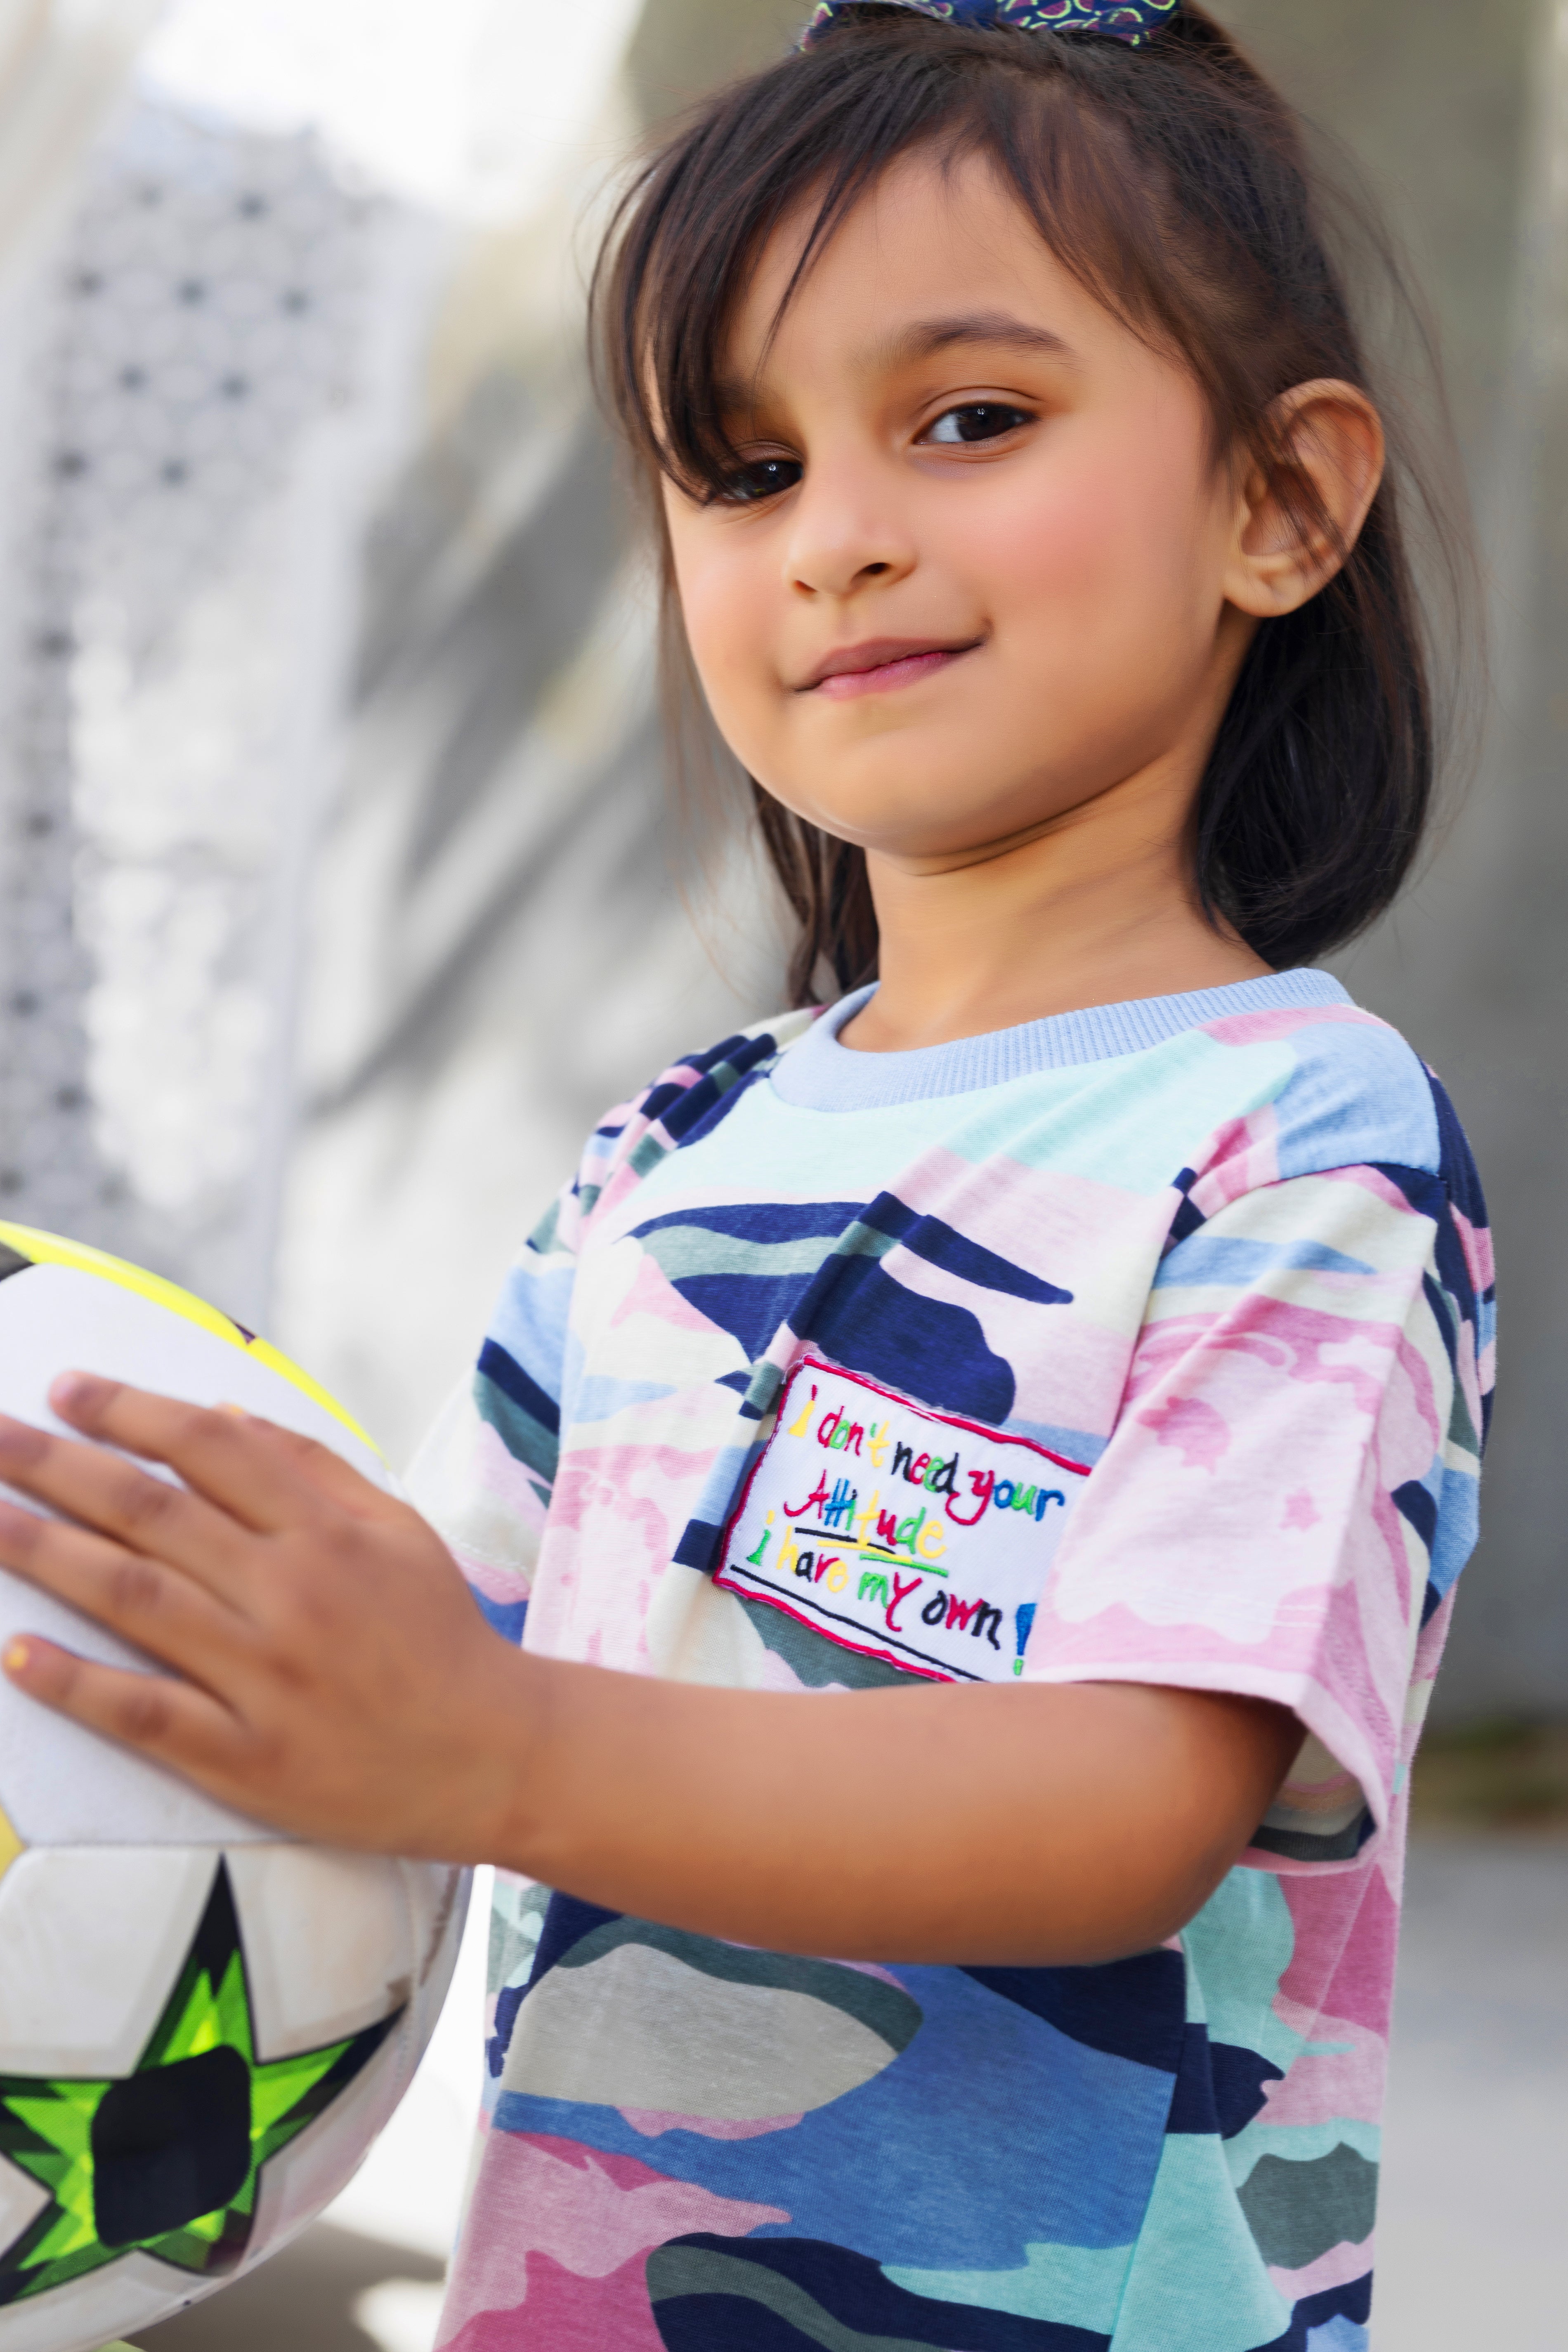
167,2160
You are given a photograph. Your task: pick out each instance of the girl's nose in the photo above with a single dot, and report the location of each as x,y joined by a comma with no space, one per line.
840,544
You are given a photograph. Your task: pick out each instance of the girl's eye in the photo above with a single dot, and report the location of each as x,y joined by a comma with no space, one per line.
977,420
760,477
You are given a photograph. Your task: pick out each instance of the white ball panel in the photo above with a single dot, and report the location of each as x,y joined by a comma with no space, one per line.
439,1904
430,1997
92,1941
57,1784
22,2200
328,1949
57,1319
308,2173
61,1786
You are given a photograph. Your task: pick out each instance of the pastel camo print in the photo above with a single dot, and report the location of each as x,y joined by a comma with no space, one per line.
1152,1343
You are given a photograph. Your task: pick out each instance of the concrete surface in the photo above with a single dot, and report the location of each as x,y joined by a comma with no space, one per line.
1473,2252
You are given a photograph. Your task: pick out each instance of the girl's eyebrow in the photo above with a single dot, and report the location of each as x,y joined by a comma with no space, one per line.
924,340
927,337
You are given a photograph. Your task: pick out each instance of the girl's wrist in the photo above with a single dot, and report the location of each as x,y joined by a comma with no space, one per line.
510,1743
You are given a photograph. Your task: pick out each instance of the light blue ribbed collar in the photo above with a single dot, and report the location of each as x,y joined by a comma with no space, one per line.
819,1074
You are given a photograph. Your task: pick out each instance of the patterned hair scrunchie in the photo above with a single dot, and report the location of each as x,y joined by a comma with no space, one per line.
1133,21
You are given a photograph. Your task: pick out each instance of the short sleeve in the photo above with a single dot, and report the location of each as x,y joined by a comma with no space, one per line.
1297,1445
484,1476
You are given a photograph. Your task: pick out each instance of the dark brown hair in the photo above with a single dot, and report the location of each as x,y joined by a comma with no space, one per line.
1177,185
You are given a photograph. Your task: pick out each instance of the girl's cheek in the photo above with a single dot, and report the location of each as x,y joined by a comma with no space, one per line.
1067,546
721,602
1120,539
733,617
730,627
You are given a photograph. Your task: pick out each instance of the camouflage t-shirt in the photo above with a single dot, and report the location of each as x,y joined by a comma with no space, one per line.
1149,1343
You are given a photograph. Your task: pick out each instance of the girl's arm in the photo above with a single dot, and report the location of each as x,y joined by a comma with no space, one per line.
1033,1825
336,1680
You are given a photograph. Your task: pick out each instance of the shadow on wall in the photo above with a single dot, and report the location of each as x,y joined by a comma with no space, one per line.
682,47
1492,1773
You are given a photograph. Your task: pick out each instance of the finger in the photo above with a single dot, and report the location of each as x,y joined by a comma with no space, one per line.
262,1475
158,1609
327,1476
144,1603
103,1491
216,1449
156,1714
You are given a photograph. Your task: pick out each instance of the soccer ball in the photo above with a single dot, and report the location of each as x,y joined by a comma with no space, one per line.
203,2025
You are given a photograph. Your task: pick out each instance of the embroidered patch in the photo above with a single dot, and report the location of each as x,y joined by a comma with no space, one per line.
903,1534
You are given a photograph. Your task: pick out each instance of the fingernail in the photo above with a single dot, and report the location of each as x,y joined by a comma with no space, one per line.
16,1656
69,1389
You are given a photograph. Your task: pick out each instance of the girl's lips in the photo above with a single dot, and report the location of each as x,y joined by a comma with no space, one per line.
884,677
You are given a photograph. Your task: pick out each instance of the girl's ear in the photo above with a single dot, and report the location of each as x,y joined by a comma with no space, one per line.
1299,513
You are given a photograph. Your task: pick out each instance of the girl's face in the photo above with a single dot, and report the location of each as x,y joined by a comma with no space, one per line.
974,574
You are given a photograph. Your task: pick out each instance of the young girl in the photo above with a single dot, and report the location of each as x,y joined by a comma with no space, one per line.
977,1473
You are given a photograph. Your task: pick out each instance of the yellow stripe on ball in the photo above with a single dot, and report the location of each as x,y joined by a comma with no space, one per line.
51,1249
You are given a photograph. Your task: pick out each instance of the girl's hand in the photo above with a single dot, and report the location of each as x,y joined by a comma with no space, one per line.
332,1674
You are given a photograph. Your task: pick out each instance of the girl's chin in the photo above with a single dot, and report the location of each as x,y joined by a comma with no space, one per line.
911,810
935,848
